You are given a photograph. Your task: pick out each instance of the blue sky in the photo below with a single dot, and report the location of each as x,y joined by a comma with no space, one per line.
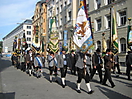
13,12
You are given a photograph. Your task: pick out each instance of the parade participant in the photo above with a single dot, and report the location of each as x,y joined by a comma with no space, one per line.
82,72
56,67
12,58
97,64
108,64
38,64
22,61
88,61
52,64
15,60
63,63
43,59
129,64
73,61
116,65
30,61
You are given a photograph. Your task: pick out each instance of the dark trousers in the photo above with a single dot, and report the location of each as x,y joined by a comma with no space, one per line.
82,74
129,68
107,75
117,66
63,71
51,69
23,66
73,69
29,65
99,69
55,70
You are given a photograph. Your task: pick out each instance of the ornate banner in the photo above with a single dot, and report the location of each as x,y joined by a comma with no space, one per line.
54,35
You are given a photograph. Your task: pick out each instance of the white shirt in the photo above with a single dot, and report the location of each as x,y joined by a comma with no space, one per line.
31,58
65,63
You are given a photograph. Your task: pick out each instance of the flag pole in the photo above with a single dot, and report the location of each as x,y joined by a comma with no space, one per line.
110,44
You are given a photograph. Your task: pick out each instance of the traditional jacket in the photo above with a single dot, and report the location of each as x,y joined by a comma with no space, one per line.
61,60
38,62
80,60
96,59
108,63
52,61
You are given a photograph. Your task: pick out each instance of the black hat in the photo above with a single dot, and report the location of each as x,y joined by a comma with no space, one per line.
72,50
108,50
63,49
51,52
37,54
97,50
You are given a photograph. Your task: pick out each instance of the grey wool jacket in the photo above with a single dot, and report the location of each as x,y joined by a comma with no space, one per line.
80,60
36,62
61,60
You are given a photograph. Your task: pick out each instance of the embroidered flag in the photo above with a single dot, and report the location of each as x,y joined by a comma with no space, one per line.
104,45
82,36
114,32
54,35
129,37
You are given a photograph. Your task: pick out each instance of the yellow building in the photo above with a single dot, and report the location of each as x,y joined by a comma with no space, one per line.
39,27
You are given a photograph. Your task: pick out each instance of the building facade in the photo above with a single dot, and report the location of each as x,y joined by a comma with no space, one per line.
24,28
39,26
65,13
99,11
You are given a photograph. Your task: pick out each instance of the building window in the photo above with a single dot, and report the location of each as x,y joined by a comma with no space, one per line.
65,19
69,1
28,39
61,21
98,3
108,23
28,32
69,15
60,8
99,45
123,45
53,2
65,3
57,22
110,1
57,11
123,17
98,24
28,27
29,45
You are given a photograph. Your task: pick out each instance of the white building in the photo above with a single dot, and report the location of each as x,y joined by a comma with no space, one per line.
99,11
25,27
65,12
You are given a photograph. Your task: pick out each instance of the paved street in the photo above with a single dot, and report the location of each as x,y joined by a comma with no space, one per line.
15,84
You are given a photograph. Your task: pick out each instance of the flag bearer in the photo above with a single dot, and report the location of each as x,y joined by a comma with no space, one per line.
82,72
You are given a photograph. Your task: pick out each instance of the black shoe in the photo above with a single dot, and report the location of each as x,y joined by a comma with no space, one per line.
29,74
78,91
90,92
112,86
100,82
56,81
50,81
63,86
